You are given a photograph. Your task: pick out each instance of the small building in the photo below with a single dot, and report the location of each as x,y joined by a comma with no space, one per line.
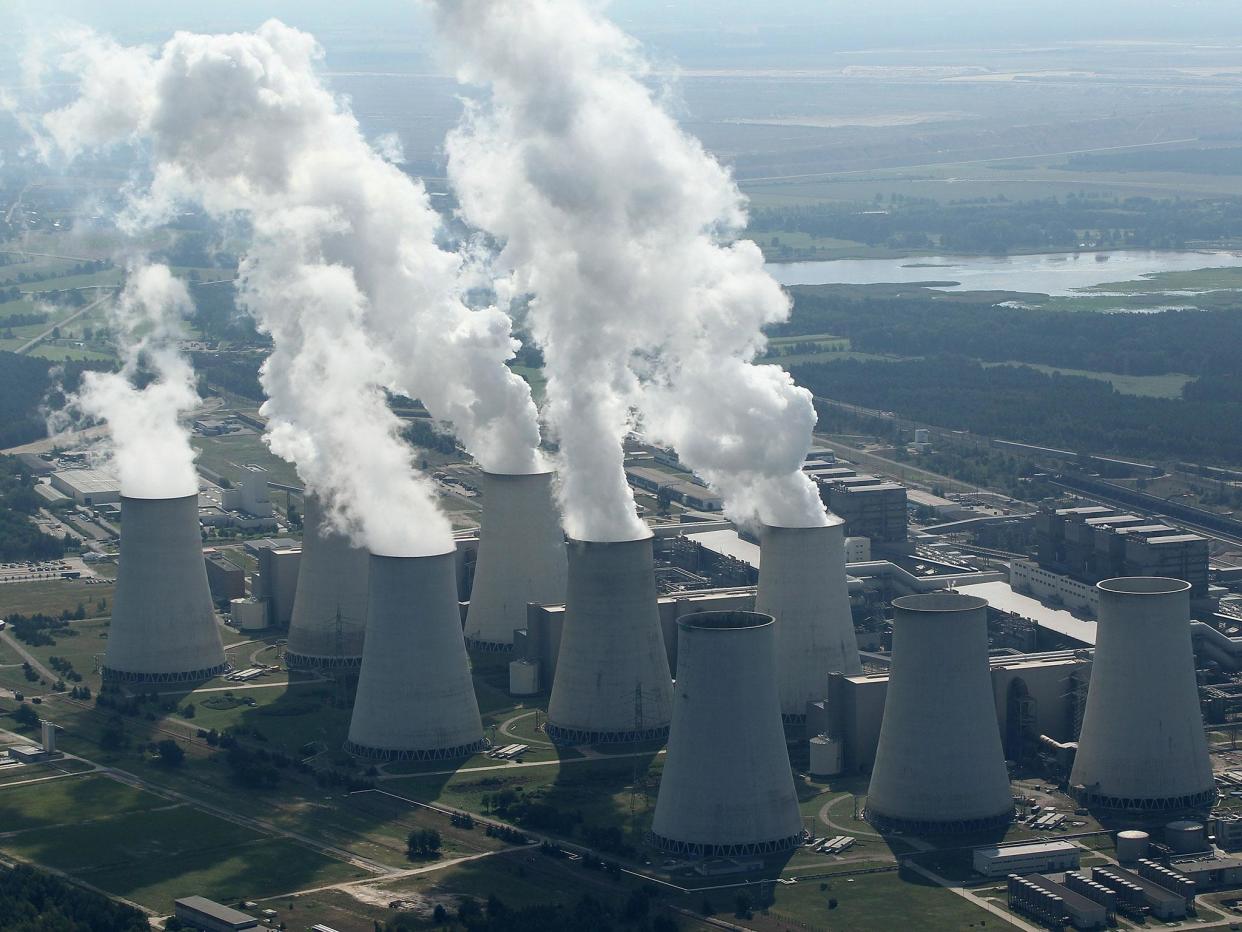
1210,871
1142,891
202,913
1083,912
1228,831
1029,857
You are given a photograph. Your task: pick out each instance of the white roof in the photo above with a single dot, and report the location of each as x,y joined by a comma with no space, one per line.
1026,848
728,543
1001,596
87,481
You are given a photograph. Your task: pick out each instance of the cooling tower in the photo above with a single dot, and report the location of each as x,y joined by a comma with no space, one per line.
612,681
939,766
1142,747
727,788
802,585
415,700
163,626
521,557
330,607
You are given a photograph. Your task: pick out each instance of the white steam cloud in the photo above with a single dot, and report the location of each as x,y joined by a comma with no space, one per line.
149,446
620,225
344,270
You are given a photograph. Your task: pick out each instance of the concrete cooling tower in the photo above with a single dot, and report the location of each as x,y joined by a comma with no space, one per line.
612,681
330,607
163,626
1142,746
802,585
939,766
727,788
415,700
521,557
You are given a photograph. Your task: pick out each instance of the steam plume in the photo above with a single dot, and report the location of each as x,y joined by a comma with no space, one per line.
149,446
344,270
620,225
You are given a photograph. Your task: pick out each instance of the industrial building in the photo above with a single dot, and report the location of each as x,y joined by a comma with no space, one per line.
1069,906
686,491
88,487
1138,895
163,626
415,698
1142,746
276,582
939,765
226,580
802,584
250,493
870,506
727,789
327,624
521,557
202,913
612,681
1026,857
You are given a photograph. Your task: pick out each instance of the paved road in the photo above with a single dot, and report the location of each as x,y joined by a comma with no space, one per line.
34,341
28,657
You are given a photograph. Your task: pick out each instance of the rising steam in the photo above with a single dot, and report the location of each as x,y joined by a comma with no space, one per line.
620,226
149,446
344,270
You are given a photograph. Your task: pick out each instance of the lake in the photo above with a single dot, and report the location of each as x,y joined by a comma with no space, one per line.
1051,274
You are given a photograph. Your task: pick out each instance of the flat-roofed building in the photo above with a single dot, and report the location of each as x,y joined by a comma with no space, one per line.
870,506
1029,857
226,579
87,486
202,913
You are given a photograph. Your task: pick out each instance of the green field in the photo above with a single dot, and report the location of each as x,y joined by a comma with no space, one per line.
68,800
51,596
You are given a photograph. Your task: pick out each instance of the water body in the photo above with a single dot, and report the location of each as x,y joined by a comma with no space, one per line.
1052,274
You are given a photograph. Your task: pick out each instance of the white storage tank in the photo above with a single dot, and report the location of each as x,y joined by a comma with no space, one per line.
1132,846
1185,836
827,758
248,614
524,678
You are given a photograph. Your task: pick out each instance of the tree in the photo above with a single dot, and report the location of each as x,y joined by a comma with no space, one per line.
423,843
439,915
26,717
171,753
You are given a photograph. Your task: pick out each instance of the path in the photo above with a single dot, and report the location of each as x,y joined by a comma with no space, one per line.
504,730
593,757
34,341
29,657
393,874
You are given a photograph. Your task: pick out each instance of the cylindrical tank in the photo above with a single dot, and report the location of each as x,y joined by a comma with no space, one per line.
415,700
1132,846
524,678
1142,748
612,682
521,557
827,756
1185,836
802,585
727,788
329,620
163,625
939,766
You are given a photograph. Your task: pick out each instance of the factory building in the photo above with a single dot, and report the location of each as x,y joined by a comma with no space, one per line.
688,491
328,620
870,506
727,789
1028,577
612,681
802,584
521,557
1142,746
87,487
415,698
1026,857
1082,910
226,580
163,626
939,765
276,583
249,494
198,912
1136,893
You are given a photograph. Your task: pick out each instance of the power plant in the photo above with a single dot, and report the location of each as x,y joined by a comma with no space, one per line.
939,765
612,680
521,557
163,626
727,788
802,584
1142,746
329,619
415,699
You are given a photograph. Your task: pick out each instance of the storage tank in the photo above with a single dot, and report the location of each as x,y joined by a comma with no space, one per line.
524,678
1132,846
521,557
939,766
612,682
1142,748
727,789
415,700
163,628
827,756
802,585
329,620
1186,836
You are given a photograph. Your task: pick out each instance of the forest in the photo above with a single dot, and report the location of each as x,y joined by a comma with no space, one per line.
28,383
34,901
19,539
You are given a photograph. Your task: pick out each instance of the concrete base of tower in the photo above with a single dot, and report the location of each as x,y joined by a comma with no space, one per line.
885,823
402,754
565,736
697,849
1102,803
488,647
129,677
310,663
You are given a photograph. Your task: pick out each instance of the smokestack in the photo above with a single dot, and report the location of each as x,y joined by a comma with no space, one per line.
612,680
727,788
802,585
521,557
330,606
415,700
163,626
1142,746
939,766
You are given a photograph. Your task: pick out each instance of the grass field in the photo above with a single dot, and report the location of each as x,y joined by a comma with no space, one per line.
52,596
223,454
